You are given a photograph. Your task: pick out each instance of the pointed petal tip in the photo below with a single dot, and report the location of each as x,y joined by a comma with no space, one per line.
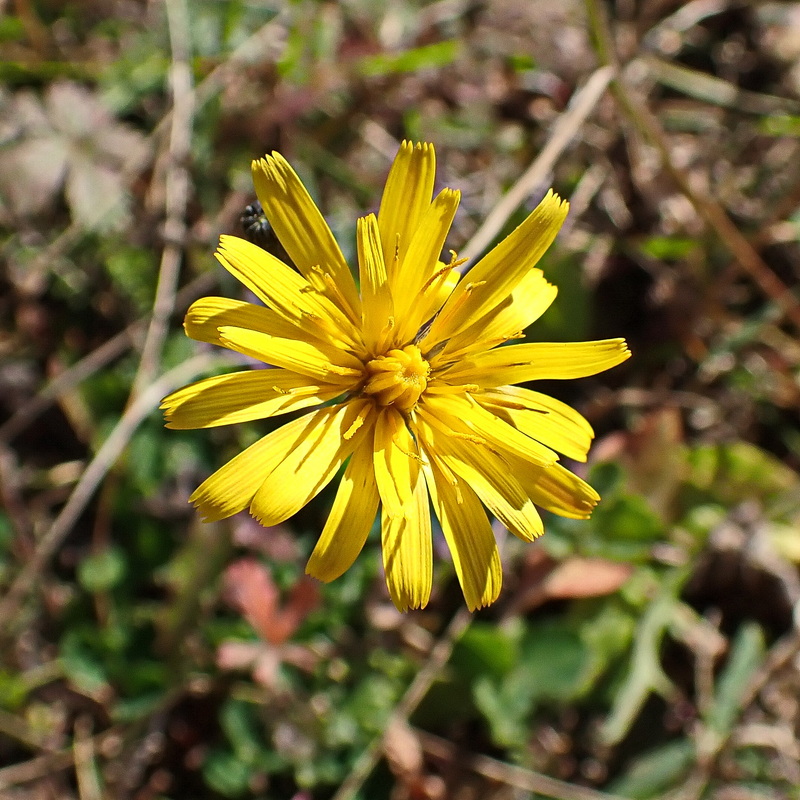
406,604
206,513
318,572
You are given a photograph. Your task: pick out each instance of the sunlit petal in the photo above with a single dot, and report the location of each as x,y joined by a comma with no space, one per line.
407,196
350,520
303,232
231,488
310,465
318,361
396,462
243,396
377,309
489,475
456,411
543,418
518,363
283,290
526,303
408,551
469,537
496,275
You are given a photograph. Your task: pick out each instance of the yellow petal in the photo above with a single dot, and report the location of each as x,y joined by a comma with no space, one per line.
418,266
537,361
241,397
310,465
230,489
557,489
544,418
469,537
208,314
303,231
441,287
350,520
407,196
376,299
529,300
396,462
280,288
319,361
460,413
489,476
496,275
408,551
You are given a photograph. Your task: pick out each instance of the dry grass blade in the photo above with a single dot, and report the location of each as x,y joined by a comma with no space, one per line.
716,91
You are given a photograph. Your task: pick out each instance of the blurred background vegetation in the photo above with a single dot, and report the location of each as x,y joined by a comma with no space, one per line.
650,652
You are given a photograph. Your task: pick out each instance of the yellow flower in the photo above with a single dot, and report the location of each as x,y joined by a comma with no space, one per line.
406,380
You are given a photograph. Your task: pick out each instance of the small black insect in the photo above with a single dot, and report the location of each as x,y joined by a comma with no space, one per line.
257,230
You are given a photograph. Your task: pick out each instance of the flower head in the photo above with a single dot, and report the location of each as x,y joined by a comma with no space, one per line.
403,379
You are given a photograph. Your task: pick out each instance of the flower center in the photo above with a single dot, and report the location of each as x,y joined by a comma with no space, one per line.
398,378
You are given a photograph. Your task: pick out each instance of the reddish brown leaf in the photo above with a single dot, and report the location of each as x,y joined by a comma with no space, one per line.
585,577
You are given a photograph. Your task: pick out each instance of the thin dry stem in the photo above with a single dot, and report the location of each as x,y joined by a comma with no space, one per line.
509,774
439,656
581,105
177,194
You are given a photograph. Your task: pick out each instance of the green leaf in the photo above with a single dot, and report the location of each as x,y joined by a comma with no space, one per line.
81,666
504,716
133,272
102,571
439,54
668,248
780,125
731,473
552,665
656,771
630,518
645,674
146,457
553,661
747,654
486,649
236,719
226,774
14,690
569,318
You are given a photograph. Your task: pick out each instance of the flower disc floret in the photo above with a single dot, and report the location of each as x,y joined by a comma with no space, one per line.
398,378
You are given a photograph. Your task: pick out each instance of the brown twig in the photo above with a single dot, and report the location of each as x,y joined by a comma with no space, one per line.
84,755
48,763
509,774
